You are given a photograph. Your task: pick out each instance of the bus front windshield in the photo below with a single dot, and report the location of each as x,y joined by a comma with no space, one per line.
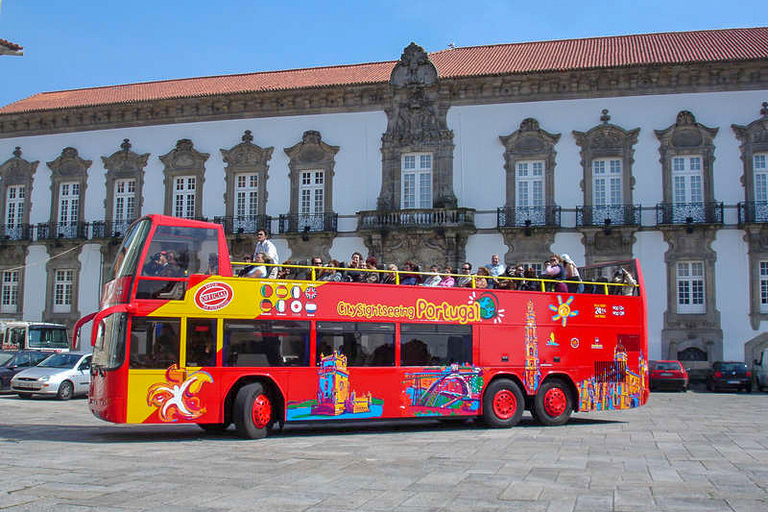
48,337
128,255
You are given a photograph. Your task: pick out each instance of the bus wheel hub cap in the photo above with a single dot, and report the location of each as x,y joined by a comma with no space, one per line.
504,404
555,402
262,411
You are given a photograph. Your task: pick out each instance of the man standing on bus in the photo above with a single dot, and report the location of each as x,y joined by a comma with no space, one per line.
263,244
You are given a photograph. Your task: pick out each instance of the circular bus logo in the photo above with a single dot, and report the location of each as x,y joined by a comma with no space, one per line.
213,296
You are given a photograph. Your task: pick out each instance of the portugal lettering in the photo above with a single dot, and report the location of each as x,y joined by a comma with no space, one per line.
444,312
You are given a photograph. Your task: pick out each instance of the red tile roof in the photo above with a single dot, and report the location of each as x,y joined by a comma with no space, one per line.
10,45
741,44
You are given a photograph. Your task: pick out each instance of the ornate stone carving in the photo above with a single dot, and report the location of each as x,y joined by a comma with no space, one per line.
17,171
602,245
756,236
423,246
62,255
68,167
528,248
124,164
246,157
416,122
184,160
311,153
753,139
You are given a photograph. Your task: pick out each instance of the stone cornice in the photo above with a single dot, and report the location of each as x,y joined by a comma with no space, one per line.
598,83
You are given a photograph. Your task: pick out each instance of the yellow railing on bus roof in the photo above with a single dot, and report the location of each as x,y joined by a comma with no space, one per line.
313,273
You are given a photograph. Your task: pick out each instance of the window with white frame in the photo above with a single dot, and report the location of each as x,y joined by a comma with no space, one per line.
416,180
9,295
536,266
760,168
14,206
529,178
764,286
687,185
125,200
311,192
69,203
184,191
62,290
690,287
606,182
246,195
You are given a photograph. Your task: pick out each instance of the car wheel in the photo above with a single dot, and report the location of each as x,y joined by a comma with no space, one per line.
66,390
253,411
503,404
553,403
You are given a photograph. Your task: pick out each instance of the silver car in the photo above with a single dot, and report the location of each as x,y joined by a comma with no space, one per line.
63,375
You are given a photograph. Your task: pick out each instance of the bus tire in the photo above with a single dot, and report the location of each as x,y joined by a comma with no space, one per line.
253,411
553,403
503,404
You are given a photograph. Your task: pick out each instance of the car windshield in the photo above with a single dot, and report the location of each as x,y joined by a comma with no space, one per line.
4,357
733,367
61,361
666,365
12,361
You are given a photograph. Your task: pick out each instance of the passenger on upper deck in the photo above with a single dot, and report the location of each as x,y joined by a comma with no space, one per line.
434,278
243,272
482,278
495,268
263,244
370,264
621,276
447,280
572,274
355,263
331,274
390,277
410,279
465,281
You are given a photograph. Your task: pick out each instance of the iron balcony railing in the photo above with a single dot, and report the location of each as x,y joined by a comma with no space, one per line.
70,230
308,222
110,228
244,224
16,232
608,215
753,211
418,218
689,213
528,216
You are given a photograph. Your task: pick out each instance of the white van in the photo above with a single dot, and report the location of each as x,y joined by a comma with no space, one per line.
760,369
17,335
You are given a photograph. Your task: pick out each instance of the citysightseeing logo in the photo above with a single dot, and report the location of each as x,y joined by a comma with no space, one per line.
424,310
213,296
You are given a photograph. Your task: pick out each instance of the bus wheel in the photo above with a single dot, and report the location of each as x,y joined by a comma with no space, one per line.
503,404
214,428
252,411
553,403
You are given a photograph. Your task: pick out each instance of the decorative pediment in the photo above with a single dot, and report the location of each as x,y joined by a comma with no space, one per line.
125,160
246,155
686,133
311,150
16,170
69,164
414,68
184,157
606,139
756,132
529,139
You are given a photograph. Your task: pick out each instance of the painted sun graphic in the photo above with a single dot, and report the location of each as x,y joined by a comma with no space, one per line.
563,310
177,398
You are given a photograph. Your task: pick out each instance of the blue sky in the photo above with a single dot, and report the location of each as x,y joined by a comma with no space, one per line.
85,43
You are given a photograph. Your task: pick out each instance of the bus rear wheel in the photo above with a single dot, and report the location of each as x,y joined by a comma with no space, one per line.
253,411
503,404
553,403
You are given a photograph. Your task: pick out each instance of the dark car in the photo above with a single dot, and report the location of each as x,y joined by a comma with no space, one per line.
21,360
729,375
669,375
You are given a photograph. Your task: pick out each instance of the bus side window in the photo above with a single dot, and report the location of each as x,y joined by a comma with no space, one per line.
154,342
201,342
435,344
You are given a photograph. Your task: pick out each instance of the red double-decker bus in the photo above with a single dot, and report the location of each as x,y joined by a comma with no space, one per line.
179,339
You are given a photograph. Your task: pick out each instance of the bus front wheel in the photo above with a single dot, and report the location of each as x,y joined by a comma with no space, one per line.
553,403
503,404
253,411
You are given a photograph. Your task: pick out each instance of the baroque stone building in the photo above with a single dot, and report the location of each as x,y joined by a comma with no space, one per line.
645,146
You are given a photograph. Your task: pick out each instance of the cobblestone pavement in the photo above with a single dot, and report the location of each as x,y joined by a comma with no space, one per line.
694,451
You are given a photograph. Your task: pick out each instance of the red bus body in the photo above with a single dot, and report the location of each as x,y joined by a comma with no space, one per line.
563,351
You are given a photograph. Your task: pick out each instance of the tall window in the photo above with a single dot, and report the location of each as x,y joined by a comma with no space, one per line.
9,295
760,169
247,195
764,286
125,201
686,180
529,176
14,206
69,208
606,179
690,287
417,180
62,290
184,196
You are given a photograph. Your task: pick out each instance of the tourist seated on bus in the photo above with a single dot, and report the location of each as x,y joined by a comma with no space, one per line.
483,278
623,277
447,280
259,270
353,274
330,273
495,268
509,284
157,262
434,278
391,276
553,269
247,268
370,264
171,267
465,279
408,277
288,272
317,264
572,274
530,284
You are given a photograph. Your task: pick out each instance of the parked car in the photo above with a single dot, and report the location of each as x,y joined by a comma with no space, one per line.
668,375
20,360
729,375
63,375
6,355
